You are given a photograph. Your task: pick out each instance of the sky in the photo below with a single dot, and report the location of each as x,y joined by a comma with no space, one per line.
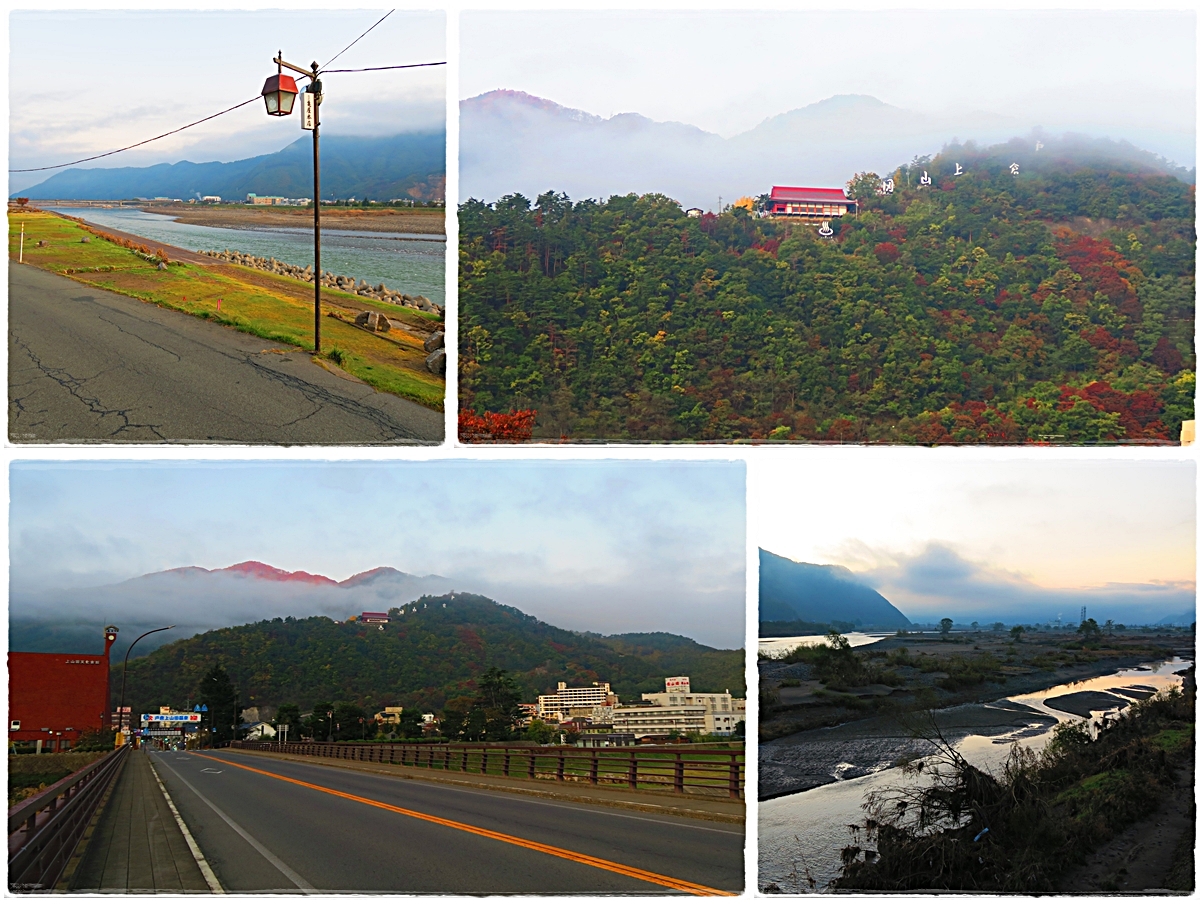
981,539
118,77
598,546
1122,74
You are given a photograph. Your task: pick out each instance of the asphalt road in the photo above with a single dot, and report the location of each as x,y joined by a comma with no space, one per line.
260,833
86,365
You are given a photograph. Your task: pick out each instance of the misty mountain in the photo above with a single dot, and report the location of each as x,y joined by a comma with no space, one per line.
514,142
200,599
411,165
432,650
821,594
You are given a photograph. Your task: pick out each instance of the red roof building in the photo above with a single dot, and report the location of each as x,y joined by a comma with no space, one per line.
810,203
56,697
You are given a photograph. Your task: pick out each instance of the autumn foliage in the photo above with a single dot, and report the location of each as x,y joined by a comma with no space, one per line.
491,427
1053,306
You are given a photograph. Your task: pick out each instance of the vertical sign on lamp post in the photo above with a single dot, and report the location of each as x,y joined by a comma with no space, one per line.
309,122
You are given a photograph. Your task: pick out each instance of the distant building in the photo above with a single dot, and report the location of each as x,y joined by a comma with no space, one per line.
561,704
54,698
260,731
679,710
809,203
211,199
694,212
375,618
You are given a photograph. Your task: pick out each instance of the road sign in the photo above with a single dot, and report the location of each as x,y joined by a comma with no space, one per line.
171,717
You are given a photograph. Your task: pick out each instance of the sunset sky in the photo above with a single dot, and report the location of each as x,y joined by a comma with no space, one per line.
941,537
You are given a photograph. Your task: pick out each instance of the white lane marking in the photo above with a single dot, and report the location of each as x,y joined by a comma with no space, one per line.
263,852
600,810
213,771
215,887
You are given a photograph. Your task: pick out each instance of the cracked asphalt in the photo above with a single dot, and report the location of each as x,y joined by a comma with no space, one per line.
86,365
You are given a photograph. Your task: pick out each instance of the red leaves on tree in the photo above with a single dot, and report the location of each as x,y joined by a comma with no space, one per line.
491,427
886,252
1139,411
1166,357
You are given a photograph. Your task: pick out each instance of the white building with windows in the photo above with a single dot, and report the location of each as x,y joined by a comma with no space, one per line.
679,710
584,700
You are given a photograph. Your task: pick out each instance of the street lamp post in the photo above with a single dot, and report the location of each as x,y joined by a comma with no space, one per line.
125,667
279,93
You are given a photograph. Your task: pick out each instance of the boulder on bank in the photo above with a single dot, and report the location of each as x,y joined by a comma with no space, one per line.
433,341
371,320
436,362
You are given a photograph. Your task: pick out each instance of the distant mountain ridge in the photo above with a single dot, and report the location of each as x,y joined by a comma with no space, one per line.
433,649
409,165
514,142
245,592
821,594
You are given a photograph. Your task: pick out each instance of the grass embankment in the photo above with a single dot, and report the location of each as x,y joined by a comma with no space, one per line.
263,304
30,773
914,672
420,220
1019,831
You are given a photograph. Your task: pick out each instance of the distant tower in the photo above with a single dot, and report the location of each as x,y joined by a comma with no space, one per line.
1082,614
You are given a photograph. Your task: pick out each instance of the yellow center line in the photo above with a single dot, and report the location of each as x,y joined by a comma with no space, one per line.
608,865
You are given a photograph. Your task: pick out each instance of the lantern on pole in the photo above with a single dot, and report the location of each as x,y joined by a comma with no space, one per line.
279,92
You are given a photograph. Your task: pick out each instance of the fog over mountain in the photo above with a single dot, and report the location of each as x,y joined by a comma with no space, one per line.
511,142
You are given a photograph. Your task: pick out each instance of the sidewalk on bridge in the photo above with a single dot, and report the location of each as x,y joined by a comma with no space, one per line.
696,806
136,845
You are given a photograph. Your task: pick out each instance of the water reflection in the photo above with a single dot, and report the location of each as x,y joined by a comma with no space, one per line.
800,836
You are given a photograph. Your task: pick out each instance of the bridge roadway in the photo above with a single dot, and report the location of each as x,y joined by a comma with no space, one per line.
272,825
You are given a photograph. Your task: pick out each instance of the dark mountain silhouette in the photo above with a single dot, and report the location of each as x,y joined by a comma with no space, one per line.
411,165
433,649
821,594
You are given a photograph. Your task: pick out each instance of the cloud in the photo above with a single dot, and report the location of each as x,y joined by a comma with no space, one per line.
939,581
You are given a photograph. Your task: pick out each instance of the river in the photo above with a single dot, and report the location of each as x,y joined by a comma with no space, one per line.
409,263
776,646
800,836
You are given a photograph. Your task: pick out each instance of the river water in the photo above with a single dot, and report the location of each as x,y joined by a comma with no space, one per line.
409,263
800,836
776,646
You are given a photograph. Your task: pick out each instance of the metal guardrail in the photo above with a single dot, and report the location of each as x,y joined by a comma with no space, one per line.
714,771
43,830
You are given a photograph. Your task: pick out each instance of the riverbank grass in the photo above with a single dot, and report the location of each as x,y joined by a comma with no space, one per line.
263,304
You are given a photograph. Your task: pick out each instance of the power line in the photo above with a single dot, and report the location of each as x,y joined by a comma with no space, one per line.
38,169
353,43
379,68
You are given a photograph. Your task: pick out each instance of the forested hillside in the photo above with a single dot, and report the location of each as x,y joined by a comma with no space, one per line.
1052,305
437,650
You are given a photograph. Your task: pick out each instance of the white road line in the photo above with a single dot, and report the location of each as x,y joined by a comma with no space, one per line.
263,852
215,887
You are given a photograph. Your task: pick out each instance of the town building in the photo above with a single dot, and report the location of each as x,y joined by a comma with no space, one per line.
809,203
574,701
694,212
678,710
55,698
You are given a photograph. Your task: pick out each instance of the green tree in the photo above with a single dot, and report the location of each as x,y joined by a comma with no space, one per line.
1016,631
321,721
1089,629
946,626
216,691
289,714
540,732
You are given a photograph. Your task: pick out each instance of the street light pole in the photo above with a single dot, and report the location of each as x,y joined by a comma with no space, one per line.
276,93
125,667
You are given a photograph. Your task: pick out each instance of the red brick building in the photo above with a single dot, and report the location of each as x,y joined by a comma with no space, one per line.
809,203
56,697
